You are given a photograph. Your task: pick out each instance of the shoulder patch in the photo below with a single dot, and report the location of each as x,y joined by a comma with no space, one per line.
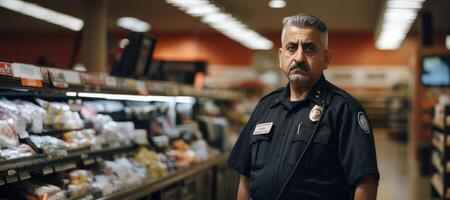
363,122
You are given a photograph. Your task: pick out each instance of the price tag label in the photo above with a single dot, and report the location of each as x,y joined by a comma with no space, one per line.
72,77
69,166
59,168
131,83
141,88
26,71
6,69
84,156
58,78
24,176
47,170
12,179
2,182
89,161
121,83
110,81
31,82
11,172
91,79
45,74
99,159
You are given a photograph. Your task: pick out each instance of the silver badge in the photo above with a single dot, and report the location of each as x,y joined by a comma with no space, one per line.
315,113
363,122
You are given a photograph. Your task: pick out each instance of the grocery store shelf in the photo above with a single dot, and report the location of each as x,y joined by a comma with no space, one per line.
439,145
159,184
11,169
55,132
436,161
436,182
101,83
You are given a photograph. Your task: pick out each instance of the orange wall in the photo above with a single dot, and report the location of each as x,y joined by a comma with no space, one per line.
347,48
27,47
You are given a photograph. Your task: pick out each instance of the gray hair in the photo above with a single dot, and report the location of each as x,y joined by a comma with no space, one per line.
307,20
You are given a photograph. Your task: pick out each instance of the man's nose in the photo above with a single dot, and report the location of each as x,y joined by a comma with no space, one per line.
298,56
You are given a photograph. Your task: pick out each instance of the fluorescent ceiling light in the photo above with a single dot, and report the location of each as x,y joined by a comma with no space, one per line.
397,19
42,13
277,3
222,22
126,97
71,94
133,24
202,10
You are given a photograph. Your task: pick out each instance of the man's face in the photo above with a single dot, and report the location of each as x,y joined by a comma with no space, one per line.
302,55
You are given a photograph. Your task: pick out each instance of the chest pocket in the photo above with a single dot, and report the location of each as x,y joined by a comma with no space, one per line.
322,137
319,149
260,150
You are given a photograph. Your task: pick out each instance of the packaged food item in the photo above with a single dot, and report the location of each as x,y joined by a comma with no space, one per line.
51,146
38,190
125,172
33,114
22,150
79,183
68,120
59,116
80,139
151,160
99,121
8,116
116,133
200,147
8,136
182,154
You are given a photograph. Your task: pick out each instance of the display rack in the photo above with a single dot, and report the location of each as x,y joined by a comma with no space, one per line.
440,158
211,179
24,76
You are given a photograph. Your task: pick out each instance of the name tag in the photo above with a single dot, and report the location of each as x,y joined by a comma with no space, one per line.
263,128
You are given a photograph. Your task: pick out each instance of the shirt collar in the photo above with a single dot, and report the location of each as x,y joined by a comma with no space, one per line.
315,94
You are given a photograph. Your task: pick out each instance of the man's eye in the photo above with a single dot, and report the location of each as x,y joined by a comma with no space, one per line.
291,48
309,49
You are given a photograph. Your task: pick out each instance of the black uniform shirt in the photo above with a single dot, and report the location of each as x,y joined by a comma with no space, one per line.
341,152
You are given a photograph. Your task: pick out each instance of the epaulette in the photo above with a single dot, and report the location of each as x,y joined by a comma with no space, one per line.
354,104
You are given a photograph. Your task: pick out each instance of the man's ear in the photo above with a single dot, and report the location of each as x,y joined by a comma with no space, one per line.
327,58
279,57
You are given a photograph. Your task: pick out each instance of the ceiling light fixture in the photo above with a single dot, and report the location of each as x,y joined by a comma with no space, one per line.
223,22
44,14
133,24
397,19
126,97
277,3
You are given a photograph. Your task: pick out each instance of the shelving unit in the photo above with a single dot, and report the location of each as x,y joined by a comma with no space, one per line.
440,157
211,179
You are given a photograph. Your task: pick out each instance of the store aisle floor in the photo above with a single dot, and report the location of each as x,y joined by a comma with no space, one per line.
399,174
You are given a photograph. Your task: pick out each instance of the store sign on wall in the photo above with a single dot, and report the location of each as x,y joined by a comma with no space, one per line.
6,69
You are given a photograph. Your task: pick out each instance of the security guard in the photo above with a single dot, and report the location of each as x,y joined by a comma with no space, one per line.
310,139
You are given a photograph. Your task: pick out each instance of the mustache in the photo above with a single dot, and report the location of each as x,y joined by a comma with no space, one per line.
299,65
